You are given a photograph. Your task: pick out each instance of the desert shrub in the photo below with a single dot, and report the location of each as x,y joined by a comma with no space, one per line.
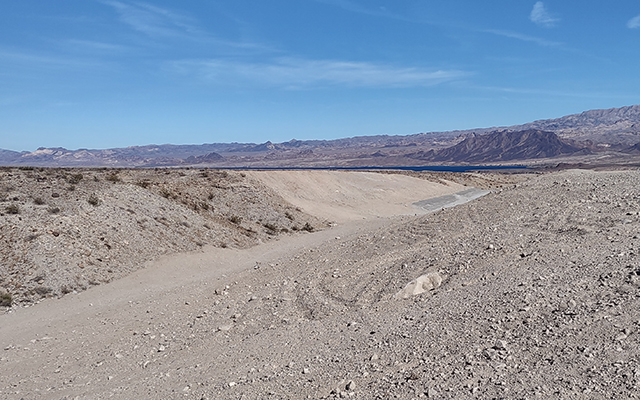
307,227
143,184
235,219
53,210
270,226
43,290
71,188
166,193
12,209
210,196
6,299
289,216
75,179
93,200
38,201
113,177
31,237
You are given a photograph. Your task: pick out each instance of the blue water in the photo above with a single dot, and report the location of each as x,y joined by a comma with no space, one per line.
440,168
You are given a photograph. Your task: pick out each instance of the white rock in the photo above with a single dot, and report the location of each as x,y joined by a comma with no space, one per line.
424,283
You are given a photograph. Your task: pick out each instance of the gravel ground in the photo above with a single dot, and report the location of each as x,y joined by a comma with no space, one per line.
539,299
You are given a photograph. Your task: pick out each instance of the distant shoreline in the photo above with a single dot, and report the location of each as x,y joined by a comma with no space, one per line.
437,168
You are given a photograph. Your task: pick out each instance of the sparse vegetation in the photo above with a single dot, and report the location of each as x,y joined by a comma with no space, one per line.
113,177
166,193
53,210
270,226
43,290
235,219
307,227
12,209
6,300
75,179
94,200
143,183
38,201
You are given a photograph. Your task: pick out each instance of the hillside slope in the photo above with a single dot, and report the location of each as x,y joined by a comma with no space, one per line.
504,146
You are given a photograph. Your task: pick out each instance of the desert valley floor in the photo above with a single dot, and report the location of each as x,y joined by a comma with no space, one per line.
143,284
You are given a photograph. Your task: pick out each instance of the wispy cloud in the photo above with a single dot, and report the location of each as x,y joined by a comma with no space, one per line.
556,93
523,37
154,21
357,8
162,24
295,73
540,16
40,61
94,46
634,22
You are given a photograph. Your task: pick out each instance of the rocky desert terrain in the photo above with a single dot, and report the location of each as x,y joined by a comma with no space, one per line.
532,291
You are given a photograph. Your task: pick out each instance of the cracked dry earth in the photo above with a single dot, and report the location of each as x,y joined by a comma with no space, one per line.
539,299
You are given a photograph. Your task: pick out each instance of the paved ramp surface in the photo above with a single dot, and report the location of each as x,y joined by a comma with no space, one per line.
342,196
450,200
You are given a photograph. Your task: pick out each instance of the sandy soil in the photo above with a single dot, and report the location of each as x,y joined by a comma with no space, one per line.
540,298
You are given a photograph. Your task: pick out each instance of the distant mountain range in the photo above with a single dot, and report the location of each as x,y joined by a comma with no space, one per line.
612,134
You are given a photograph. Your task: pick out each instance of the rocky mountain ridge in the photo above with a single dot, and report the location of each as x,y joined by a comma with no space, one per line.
613,132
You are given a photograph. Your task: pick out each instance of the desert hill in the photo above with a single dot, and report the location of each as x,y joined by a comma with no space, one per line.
614,126
505,146
64,231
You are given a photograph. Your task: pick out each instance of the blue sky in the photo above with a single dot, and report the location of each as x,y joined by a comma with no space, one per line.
116,73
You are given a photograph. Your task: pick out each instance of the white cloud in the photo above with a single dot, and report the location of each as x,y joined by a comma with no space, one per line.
634,22
160,24
37,60
526,38
295,73
540,16
152,20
